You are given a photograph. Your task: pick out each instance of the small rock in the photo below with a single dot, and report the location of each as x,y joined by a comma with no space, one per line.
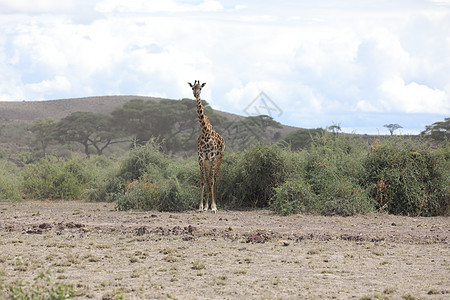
45,226
284,243
191,229
255,238
142,230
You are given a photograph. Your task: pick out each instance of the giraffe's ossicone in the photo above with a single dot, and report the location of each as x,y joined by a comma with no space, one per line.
210,147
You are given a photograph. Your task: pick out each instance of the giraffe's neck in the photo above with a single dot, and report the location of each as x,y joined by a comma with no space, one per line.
202,118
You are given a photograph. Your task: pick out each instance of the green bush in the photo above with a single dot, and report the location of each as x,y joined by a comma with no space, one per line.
343,198
49,178
139,195
104,184
293,197
408,178
179,192
333,167
10,181
145,160
248,179
171,196
174,196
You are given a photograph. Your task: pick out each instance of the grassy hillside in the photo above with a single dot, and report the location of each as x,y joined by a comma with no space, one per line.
16,118
58,109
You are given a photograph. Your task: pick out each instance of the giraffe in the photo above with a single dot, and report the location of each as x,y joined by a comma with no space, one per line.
210,147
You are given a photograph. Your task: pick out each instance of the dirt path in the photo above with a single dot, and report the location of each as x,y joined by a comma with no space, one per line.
105,254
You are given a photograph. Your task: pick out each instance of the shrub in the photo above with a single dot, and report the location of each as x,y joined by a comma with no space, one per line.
248,179
343,198
408,178
104,184
144,194
333,167
174,196
292,197
10,181
49,178
144,160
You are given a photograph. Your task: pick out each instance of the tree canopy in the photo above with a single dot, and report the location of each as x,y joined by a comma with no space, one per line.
438,131
88,129
173,123
392,127
43,130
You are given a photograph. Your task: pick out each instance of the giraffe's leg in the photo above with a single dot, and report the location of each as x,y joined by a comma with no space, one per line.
213,187
208,185
213,195
202,185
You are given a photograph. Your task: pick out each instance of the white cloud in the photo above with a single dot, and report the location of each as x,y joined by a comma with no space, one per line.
36,6
153,6
319,62
414,97
370,106
57,84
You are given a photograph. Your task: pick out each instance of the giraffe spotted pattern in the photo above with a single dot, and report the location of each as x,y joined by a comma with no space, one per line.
210,147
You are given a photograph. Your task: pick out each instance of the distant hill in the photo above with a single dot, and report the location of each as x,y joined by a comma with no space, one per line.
58,109
15,117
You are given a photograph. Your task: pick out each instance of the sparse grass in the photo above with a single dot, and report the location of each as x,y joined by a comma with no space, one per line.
43,287
197,265
410,297
389,290
313,251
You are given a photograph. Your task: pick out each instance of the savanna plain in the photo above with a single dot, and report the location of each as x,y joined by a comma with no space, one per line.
82,250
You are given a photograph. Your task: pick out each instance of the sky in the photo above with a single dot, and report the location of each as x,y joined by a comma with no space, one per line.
353,63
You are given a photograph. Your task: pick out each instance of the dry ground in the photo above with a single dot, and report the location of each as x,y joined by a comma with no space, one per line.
230,255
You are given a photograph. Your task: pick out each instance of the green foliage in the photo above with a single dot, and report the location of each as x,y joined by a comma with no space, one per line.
10,181
157,183
326,180
302,138
43,287
145,160
439,131
104,184
392,127
249,131
248,178
169,196
141,194
408,178
174,124
293,197
89,129
333,167
335,175
43,131
49,178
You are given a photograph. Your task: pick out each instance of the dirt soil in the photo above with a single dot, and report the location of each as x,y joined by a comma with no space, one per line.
106,254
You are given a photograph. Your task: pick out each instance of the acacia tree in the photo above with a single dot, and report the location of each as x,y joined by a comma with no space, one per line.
438,131
43,131
335,128
247,131
171,123
88,129
392,127
302,138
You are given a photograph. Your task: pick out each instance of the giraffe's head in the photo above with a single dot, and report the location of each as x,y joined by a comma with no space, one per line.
197,88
